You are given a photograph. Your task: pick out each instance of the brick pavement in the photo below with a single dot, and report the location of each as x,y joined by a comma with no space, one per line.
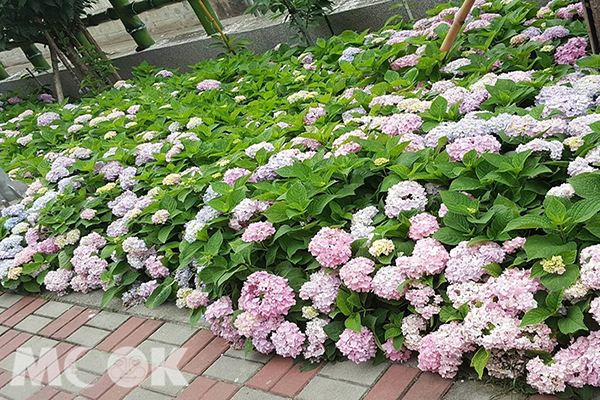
55,351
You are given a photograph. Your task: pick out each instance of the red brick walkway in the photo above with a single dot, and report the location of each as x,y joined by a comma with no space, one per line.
51,350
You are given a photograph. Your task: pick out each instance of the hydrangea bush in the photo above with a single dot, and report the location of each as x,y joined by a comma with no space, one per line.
366,199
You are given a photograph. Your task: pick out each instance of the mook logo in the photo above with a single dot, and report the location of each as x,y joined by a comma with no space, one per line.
128,367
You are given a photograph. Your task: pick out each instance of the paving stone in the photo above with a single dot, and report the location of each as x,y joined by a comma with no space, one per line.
293,381
271,373
88,336
155,352
233,369
253,394
3,329
143,394
252,356
74,380
324,388
173,333
16,363
221,391
33,324
96,362
38,346
396,380
52,309
168,381
430,386
473,390
206,356
140,334
19,389
107,320
8,299
363,373
23,312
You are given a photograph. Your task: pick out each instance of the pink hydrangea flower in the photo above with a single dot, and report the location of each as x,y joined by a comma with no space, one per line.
441,351
422,225
331,247
196,299
266,295
355,274
358,347
258,231
513,245
405,196
288,340
395,355
88,214
322,289
233,174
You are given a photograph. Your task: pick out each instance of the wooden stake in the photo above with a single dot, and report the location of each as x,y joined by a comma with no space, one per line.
459,20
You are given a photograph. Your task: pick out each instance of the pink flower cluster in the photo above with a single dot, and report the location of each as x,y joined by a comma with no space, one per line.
258,231
356,274
573,50
331,247
429,257
357,346
422,225
400,124
266,295
322,289
481,144
466,262
576,365
405,196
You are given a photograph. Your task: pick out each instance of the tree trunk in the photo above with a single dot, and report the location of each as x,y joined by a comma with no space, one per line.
99,50
591,13
53,56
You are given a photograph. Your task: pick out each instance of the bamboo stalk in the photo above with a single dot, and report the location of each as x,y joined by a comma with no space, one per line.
34,55
3,73
459,20
216,25
133,24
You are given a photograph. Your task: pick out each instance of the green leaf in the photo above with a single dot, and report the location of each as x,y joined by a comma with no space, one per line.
214,243
160,294
554,300
449,313
164,233
169,203
248,346
494,269
573,322
297,196
546,246
555,282
583,210
480,360
535,316
529,222
342,303
353,323
465,183
555,210
586,185
438,108
459,203
449,236
334,329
